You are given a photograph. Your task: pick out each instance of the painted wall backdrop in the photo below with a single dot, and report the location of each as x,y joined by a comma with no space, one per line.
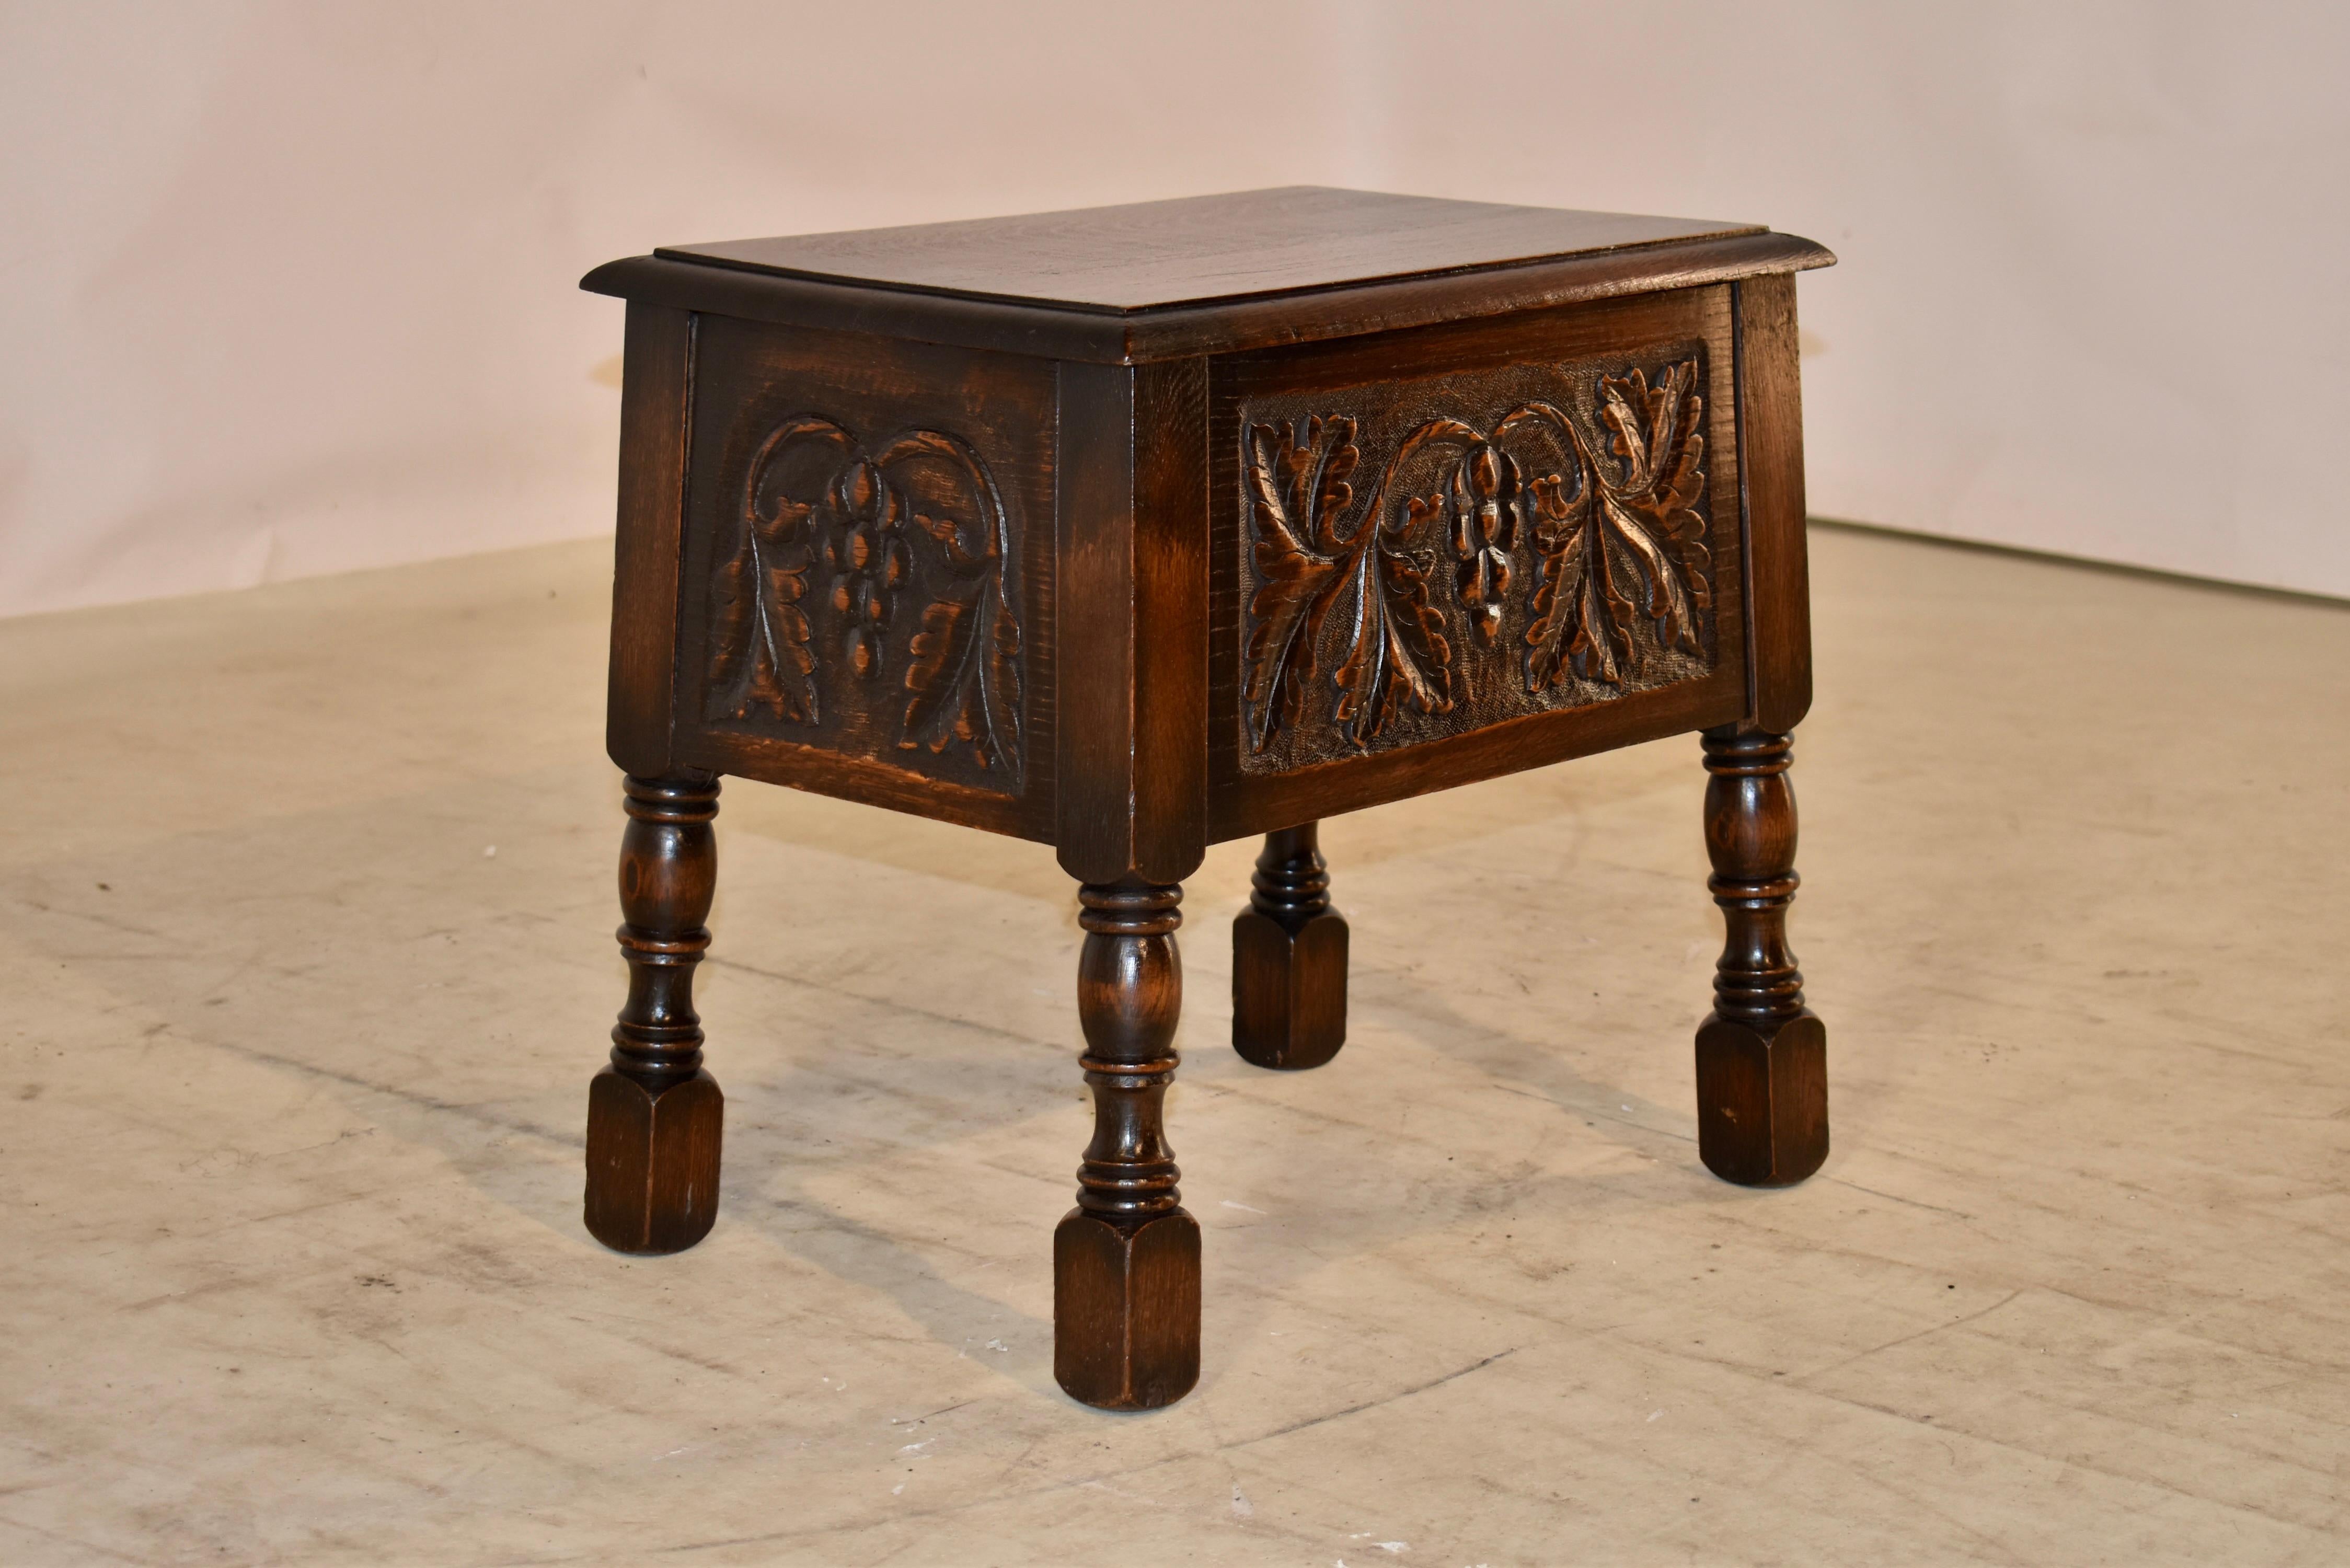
288,287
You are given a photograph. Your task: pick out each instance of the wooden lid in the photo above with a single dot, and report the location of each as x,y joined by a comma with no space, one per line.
1157,256
1206,274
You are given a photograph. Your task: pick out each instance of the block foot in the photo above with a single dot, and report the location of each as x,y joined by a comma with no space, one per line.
1125,1309
1763,1101
1289,958
652,1162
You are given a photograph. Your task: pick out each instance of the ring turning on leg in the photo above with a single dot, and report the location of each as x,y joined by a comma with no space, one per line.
1126,1260
1762,1055
653,1116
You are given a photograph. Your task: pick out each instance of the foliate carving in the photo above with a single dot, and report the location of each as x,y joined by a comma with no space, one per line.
1526,554
916,520
1637,528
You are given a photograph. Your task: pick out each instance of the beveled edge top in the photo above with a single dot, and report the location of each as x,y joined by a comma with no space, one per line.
1231,323
1147,257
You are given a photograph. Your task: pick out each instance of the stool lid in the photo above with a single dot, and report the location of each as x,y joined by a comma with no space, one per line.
1207,274
1154,255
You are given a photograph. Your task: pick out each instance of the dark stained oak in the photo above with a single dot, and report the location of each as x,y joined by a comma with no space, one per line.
1289,957
1771,443
867,598
1126,1260
1133,615
654,1117
655,390
1762,1055
1134,529
1159,280
1398,431
1151,255
1221,328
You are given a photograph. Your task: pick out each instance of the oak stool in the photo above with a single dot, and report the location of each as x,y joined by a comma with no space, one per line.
1135,529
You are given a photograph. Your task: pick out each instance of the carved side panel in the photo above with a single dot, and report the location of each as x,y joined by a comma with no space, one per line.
1433,555
858,580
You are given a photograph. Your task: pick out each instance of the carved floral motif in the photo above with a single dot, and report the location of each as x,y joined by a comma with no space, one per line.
919,516
1617,534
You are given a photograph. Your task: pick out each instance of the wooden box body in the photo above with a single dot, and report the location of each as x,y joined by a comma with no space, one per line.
1131,581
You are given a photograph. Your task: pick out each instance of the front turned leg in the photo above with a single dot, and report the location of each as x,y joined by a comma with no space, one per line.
1126,1260
1762,1055
654,1115
1289,957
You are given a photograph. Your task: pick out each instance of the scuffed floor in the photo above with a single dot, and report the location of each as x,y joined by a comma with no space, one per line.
306,900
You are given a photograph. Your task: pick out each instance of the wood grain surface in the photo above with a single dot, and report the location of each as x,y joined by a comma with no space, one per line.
1150,255
655,402
862,610
1220,327
1771,446
1268,769
1137,528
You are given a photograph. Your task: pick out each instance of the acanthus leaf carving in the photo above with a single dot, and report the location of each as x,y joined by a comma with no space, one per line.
815,496
964,675
1294,477
759,633
1396,651
1613,539
1651,502
1400,653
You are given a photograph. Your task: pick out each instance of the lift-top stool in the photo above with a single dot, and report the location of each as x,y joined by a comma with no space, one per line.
1135,529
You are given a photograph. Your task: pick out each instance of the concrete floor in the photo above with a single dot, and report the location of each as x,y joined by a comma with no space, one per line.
307,899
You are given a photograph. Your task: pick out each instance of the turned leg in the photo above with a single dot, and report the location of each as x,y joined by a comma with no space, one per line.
1762,1055
1289,957
1126,1260
654,1115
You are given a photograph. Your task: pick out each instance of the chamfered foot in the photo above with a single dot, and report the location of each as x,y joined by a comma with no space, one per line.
1289,957
652,1162
1762,1100
1125,1309
1289,990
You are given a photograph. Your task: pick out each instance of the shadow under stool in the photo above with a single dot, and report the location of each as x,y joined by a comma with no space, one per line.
1135,529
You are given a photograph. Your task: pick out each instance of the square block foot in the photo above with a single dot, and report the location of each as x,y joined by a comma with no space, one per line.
1289,990
1126,1310
1763,1101
652,1162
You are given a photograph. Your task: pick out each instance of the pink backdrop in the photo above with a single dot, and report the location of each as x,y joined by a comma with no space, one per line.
288,287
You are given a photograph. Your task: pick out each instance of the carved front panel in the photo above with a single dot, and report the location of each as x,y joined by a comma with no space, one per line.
1438,553
858,579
